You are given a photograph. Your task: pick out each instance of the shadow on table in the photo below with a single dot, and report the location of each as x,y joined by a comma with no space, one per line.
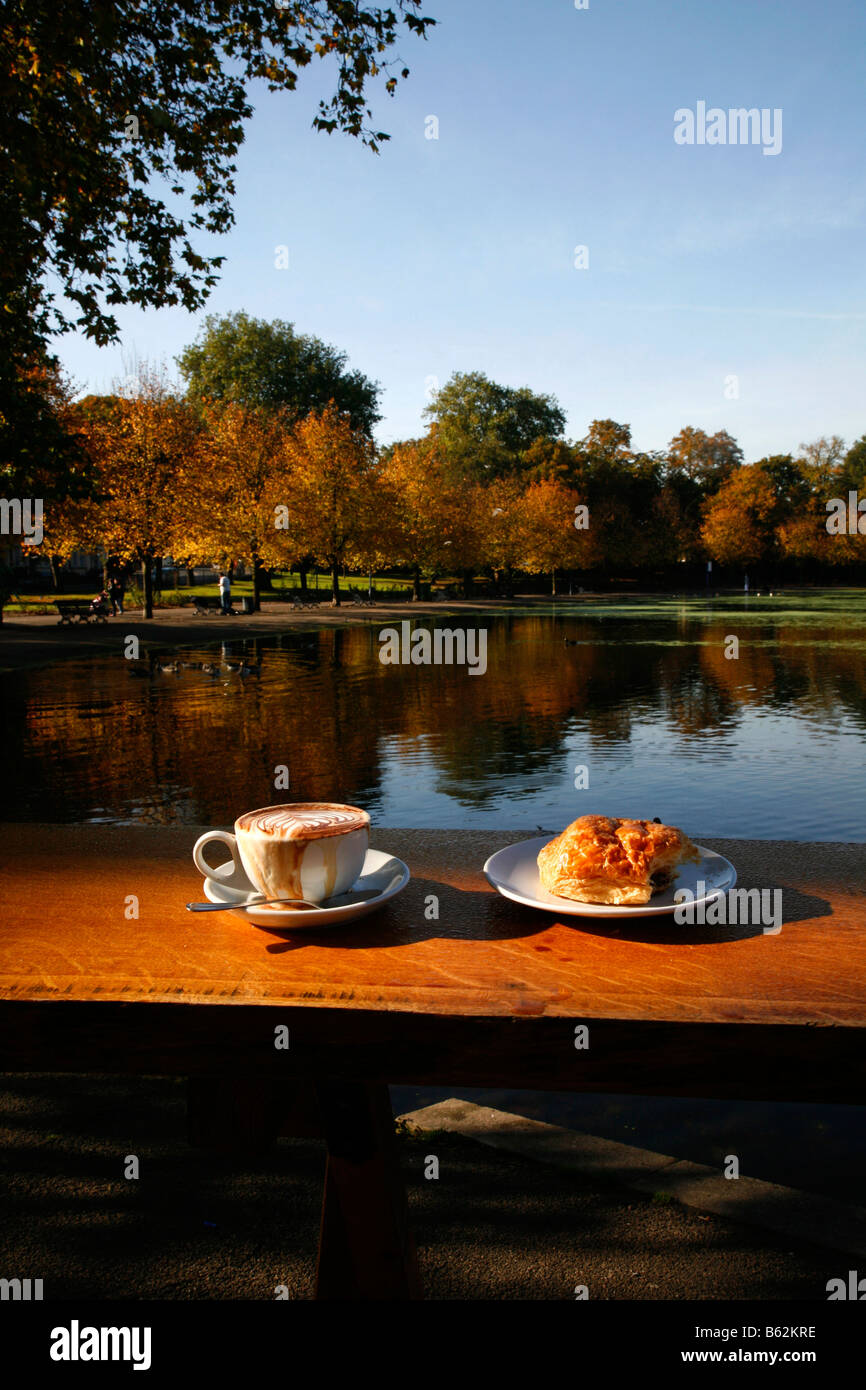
461,915
665,931
484,915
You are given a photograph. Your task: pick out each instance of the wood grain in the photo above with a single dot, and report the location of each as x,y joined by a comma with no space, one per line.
487,994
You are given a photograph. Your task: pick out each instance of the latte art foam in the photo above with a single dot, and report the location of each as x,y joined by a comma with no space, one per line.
306,820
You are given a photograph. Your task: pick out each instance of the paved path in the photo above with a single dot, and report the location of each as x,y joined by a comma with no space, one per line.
492,1226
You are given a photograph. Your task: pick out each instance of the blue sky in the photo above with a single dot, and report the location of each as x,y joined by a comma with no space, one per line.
556,130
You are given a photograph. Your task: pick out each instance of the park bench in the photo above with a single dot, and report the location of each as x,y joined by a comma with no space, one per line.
74,611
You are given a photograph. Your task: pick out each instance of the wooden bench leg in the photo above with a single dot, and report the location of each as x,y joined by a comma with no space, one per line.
366,1250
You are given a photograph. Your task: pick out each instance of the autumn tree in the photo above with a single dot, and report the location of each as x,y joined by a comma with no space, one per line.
606,445
331,501
146,477
424,514
557,530
828,474
738,526
693,468
500,522
705,459
242,471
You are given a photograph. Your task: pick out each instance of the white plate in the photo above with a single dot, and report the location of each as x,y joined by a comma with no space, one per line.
514,872
381,878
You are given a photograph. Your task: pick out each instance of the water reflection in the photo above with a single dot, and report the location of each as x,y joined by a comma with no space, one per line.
768,745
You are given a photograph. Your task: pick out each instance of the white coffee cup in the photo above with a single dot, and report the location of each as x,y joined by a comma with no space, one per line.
312,850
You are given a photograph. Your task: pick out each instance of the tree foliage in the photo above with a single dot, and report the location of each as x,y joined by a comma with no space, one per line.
486,431
122,120
330,492
268,365
146,476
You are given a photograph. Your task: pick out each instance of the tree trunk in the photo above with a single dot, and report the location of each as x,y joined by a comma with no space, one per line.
257,583
190,577
553,582
416,583
467,583
146,588
158,568
335,584
55,577
302,576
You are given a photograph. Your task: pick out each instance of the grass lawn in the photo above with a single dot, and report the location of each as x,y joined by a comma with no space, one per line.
787,604
172,597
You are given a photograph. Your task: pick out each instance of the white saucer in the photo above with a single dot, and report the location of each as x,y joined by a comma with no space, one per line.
381,878
514,872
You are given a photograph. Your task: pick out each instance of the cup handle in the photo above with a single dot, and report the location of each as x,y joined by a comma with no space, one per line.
223,837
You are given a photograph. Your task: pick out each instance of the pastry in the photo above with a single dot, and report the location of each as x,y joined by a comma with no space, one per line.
601,859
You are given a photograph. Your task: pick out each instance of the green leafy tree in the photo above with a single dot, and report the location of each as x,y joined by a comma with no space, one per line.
268,365
40,454
852,476
822,462
110,106
486,431
622,489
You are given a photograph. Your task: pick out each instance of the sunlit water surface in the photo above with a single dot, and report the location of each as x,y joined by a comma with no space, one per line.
768,745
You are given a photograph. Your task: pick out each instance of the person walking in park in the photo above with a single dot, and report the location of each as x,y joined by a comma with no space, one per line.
115,593
225,593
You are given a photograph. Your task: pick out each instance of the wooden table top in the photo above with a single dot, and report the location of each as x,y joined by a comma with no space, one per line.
487,994
63,933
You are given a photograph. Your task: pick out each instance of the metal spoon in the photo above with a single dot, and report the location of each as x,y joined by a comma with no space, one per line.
253,902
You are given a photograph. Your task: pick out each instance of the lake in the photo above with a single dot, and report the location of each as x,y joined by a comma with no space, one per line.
645,698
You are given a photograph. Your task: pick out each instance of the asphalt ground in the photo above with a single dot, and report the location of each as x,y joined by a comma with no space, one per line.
199,1226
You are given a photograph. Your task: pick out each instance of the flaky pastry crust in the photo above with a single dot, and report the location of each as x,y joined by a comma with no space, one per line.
600,859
